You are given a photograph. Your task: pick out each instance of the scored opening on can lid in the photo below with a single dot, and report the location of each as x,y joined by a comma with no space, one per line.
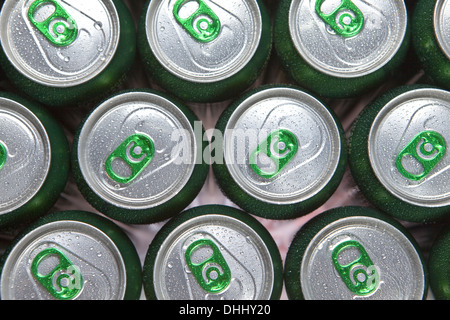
25,155
441,25
281,145
407,147
203,41
350,38
59,43
361,258
64,260
222,249
137,150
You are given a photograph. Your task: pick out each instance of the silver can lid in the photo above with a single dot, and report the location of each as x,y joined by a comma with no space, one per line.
64,260
137,150
203,40
213,257
408,147
25,155
281,145
361,258
59,43
348,38
441,25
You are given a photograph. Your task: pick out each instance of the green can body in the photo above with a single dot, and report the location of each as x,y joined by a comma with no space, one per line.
438,264
137,157
391,173
35,199
176,268
98,77
76,264
309,165
337,255
315,30
430,53
201,66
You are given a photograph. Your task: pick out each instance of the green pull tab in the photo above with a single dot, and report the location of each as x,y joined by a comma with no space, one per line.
203,24
136,151
428,148
360,276
59,28
346,20
280,146
213,273
64,282
3,155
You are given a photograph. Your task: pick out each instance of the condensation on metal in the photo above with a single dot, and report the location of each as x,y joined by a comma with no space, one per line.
129,114
396,125
28,155
385,24
243,249
319,144
32,54
192,60
441,25
399,267
89,249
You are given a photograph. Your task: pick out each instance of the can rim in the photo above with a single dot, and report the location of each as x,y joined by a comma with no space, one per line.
419,93
352,73
108,106
366,222
213,219
35,124
319,109
439,24
209,76
32,237
35,76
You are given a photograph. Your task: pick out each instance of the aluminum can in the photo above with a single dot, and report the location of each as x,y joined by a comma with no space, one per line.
431,39
64,52
341,49
137,158
71,255
398,153
283,152
34,160
353,253
213,252
203,50
438,265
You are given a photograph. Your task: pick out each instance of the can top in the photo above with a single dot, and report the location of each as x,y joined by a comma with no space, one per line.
407,147
137,150
25,155
213,257
441,25
203,41
361,257
281,145
59,43
349,40
64,260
